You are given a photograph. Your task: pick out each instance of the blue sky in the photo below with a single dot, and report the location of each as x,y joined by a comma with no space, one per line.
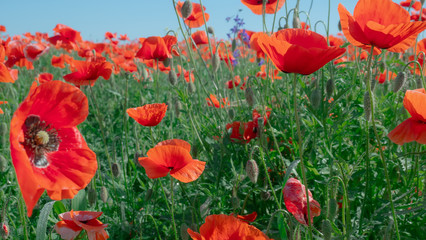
142,18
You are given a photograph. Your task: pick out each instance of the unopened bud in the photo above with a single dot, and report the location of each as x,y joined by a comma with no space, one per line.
148,194
332,208
115,170
316,98
205,207
92,195
104,194
186,9
367,106
191,87
249,96
234,44
215,62
265,195
145,74
231,113
373,84
399,81
329,88
339,26
252,170
184,232
172,77
419,83
4,231
177,107
167,62
326,229
210,30
3,164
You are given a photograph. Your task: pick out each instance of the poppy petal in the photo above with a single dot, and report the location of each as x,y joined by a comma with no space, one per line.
190,172
5,74
153,168
67,231
408,131
176,142
415,103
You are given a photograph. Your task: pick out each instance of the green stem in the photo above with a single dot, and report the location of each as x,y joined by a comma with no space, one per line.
171,208
302,164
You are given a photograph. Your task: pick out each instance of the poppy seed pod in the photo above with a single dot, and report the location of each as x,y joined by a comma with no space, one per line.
3,164
329,88
249,96
186,9
252,170
316,98
215,62
92,195
115,170
399,81
104,194
367,106
210,30
172,77
326,229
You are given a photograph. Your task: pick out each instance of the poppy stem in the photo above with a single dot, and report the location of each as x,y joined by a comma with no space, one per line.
382,157
171,208
300,144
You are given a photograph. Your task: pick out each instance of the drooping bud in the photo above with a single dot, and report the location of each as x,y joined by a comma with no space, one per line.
329,88
104,194
316,98
115,170
367,106
191,87
172,77
4,230
252,170
215,62
249,96
177,107
326,229
231,113
3,164
184,231
332,208
92,195
186,9
234,44
167,62
210,30
265,195
399,81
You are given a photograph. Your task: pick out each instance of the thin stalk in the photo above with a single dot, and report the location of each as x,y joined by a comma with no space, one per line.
302,164
171,208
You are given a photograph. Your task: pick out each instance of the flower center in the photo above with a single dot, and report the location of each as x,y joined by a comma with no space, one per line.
40,139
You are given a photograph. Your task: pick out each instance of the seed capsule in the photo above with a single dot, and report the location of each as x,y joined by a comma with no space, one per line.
252,170
186,9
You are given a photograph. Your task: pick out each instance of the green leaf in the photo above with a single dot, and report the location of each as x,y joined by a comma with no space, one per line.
59,207
42,221
79,202
281,226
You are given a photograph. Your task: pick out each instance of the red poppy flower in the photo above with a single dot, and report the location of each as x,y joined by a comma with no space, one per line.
2,28
2,102
148,115
386,74
196,19
256,6
157,48
44,77
60,61
212,101
187,75
414,128
16,56
242,132
416,5
233,83
74,222
226,227
123,37
371,26
86,73
295,201
256,115
200,37
254,44
298,50
172,156
33,51
66,38
48,151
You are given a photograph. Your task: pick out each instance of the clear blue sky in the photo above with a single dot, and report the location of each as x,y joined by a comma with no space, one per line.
142,18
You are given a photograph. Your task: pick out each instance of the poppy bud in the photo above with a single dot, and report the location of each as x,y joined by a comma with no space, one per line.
3,164
249,96
186,9
215,62
210,30
329,88
326,229
419,83
4,231
252,170
265,195
339,26
115,170
316,98
92,195
332,208
184,231
172,77
104,194
148,194
191,87
234,44
286,26
177,107
373,84
399,81
367,106
167,62
205,207
231,113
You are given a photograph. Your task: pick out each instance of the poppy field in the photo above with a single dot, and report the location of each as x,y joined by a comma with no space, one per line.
284,133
